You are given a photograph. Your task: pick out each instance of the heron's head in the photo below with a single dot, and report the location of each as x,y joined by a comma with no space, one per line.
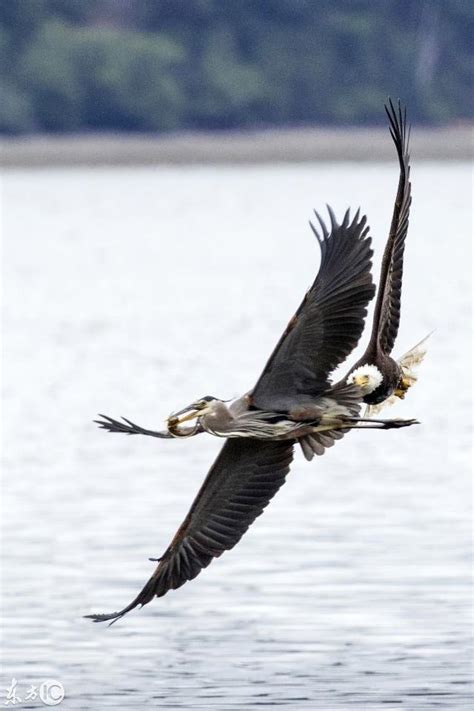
367,377
204,406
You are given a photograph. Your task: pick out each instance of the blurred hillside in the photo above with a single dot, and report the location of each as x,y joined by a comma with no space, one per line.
168,65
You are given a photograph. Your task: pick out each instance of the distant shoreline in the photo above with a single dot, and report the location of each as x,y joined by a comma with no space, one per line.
270,146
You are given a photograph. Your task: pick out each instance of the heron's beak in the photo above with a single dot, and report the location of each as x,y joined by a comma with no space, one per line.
175,419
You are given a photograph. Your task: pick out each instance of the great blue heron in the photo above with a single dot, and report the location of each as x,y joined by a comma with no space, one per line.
293,400
381,378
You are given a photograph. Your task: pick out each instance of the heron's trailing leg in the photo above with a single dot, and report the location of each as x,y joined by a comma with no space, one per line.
386,424
365,424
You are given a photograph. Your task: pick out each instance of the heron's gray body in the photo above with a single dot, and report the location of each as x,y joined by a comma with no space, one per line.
304,418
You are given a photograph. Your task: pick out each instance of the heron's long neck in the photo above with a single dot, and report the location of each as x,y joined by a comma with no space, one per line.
219,421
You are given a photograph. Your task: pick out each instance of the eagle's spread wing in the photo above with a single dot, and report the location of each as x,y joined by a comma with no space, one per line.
245,476
328,323
387,306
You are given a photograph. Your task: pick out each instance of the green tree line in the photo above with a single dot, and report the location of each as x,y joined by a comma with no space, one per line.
161,65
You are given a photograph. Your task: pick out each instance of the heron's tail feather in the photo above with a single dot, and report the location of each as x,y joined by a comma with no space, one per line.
318,442
340,400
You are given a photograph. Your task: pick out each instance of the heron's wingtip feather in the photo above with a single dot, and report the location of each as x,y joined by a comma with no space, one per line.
104,617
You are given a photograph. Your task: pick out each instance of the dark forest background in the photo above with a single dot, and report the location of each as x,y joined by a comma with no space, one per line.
161,65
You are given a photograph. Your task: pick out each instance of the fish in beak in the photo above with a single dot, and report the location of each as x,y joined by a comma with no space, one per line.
187,413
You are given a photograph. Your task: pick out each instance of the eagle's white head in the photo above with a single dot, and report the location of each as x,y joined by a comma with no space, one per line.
367,377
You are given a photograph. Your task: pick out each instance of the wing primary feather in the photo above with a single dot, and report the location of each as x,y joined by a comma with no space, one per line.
356,218
345,221
315,232
322,224
332,217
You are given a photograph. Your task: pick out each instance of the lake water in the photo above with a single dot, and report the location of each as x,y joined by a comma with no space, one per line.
131,292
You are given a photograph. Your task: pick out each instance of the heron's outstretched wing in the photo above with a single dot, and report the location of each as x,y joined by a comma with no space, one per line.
245,476
328,323
387,305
